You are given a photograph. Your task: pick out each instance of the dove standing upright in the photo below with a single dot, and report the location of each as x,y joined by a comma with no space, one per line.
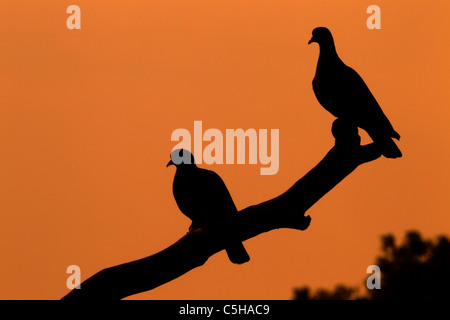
202,196
341,91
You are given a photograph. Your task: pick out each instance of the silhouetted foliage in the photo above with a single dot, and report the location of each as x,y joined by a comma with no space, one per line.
340,292
416,269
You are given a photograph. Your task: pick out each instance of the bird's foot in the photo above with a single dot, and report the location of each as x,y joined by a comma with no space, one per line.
345,132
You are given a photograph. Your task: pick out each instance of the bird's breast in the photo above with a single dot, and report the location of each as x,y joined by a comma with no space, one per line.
327,94
187,196
332,91
202,196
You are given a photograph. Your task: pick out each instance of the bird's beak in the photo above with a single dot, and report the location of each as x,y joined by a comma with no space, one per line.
169,163
311,40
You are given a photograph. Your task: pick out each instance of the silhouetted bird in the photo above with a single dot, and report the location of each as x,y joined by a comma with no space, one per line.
341,91
202,196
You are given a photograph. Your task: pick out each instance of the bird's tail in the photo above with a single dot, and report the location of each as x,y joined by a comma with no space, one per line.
389,149
237,253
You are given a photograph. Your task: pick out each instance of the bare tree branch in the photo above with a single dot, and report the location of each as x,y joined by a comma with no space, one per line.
193,250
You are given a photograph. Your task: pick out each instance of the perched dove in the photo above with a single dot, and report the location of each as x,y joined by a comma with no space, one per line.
341,91
202,196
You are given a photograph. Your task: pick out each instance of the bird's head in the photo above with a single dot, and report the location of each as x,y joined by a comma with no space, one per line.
181,158
321,35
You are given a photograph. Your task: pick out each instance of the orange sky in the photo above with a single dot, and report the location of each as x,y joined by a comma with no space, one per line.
86,118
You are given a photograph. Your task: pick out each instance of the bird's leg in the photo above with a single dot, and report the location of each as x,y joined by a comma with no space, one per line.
346,133
347,137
